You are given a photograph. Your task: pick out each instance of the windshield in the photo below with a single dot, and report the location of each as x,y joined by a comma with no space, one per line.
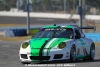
54,33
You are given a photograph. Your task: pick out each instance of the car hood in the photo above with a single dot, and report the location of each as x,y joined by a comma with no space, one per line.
39,45
43,42
38,42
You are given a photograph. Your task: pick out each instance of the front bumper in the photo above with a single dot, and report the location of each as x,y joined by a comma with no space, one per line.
53,55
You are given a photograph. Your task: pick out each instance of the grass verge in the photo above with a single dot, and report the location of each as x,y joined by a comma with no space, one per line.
33,31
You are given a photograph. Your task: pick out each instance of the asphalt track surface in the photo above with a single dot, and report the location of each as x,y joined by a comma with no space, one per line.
9,57
34,20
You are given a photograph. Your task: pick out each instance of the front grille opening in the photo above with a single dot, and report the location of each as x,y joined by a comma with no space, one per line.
24,56
39,57
58,56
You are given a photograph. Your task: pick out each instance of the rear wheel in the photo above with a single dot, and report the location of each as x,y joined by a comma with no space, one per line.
73,54
92,52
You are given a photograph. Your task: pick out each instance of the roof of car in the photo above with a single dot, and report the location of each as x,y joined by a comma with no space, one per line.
59,26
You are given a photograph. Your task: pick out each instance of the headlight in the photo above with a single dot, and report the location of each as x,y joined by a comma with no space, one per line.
61,45
25,45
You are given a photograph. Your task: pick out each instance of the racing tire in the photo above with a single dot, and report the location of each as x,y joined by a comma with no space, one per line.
73,54
92,53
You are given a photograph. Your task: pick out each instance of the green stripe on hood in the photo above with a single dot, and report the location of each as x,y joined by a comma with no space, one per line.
36,44
55,43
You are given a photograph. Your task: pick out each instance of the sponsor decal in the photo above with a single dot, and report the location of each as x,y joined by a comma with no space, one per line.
82,42
55,29
84,48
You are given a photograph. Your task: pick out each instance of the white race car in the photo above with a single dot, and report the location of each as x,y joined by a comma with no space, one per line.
57,43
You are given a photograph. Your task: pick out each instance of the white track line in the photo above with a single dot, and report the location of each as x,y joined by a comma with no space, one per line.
5,46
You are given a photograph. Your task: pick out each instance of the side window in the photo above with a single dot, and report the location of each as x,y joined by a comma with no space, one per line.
82,34
78,35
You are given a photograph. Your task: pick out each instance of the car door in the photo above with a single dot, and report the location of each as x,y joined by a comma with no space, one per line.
85,45
79,43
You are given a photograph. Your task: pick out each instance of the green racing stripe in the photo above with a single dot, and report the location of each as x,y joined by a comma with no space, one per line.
55,43
42,48
36,44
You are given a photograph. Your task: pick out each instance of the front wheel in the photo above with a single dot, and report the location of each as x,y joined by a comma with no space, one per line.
73,54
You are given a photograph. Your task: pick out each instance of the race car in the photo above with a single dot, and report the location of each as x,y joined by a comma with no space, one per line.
57,43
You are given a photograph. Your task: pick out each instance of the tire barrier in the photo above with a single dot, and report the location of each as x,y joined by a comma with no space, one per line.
15,32
8,33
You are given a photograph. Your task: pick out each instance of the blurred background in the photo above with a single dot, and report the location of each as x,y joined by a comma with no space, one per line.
51,6
13,13
90,7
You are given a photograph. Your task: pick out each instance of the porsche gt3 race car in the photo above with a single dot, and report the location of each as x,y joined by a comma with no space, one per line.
57,43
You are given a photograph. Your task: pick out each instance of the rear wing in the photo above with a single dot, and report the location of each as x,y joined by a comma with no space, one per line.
91,27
